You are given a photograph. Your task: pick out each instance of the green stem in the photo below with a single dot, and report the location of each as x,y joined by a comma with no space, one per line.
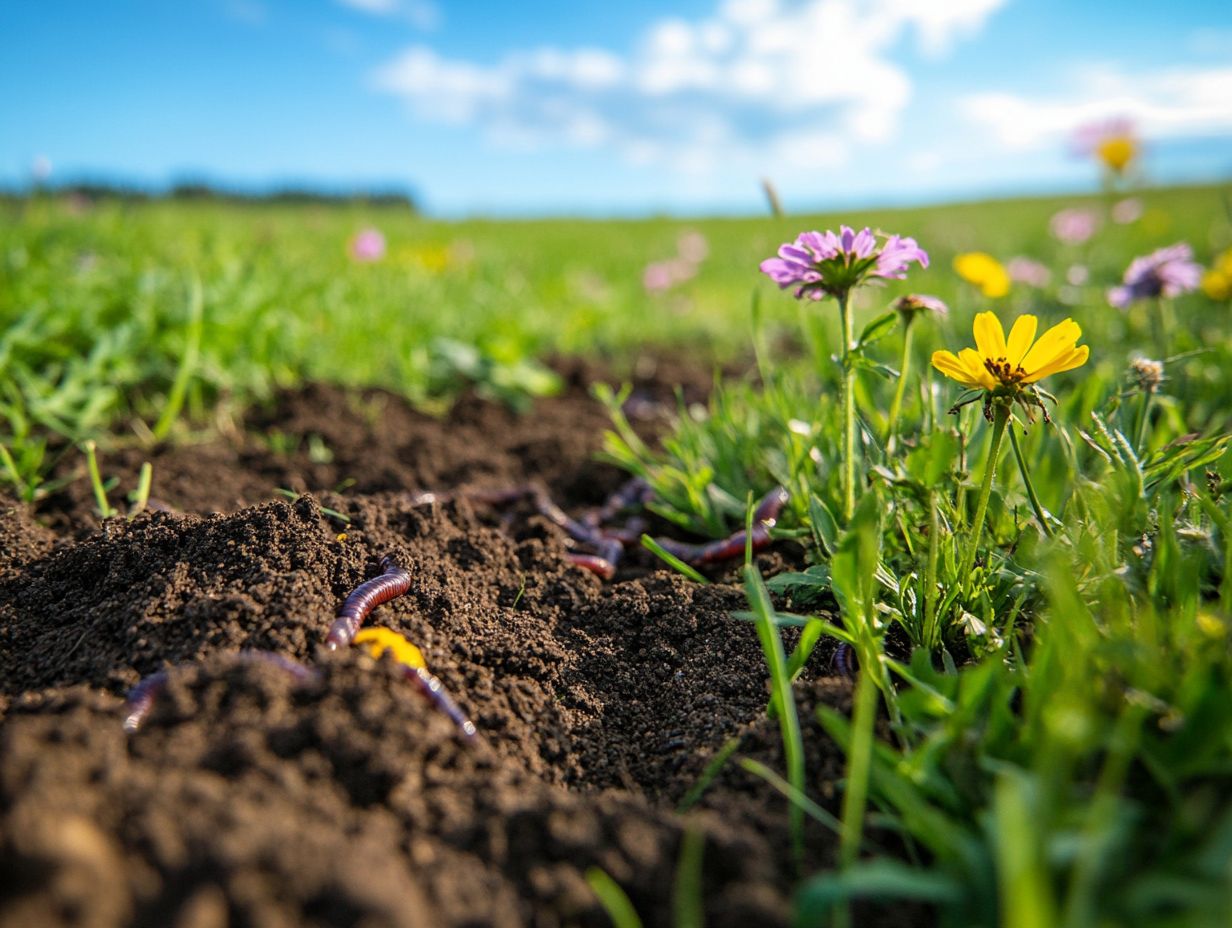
859,764
849,411
931,638
1144,416
1001,416
1159,327
897,404
1040,514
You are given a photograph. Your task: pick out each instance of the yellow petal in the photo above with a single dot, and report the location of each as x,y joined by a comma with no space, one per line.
996,284
948,364
1057,341
1021,335
379,640
989,336
975,366
1066,362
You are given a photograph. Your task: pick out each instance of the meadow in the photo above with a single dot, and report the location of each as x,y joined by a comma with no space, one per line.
1037,645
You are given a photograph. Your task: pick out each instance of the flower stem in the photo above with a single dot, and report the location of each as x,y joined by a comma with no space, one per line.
1144,416
1040,515
1160,326
931,638
849,411
897,404
1001,415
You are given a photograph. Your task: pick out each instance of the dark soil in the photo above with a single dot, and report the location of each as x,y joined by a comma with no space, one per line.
249,799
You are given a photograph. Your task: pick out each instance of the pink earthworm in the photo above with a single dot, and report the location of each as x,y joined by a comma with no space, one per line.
633,493
367,596
599,566
143,696
432,687
764,517
609,548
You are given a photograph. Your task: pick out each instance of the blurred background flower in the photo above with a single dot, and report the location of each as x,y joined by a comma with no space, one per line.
1168,272
1074,226
984,272
1028,271
368,245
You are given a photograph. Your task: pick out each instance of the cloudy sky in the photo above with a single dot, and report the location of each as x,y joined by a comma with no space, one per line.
636,107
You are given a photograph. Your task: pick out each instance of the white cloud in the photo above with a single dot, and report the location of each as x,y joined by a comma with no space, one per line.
755,81
1165,103
423,14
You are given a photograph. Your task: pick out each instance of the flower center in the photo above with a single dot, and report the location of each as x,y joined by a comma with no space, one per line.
1000,369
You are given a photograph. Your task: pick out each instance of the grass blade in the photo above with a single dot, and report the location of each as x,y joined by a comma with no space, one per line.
780,684
613,899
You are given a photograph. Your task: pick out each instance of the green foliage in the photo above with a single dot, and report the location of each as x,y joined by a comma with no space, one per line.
1060,748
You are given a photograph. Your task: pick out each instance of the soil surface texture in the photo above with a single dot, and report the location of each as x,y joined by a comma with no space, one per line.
251,796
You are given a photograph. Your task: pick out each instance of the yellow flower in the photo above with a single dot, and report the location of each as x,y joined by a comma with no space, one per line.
1217,282
984,271
1117,151
1217,285
1008,366
380,640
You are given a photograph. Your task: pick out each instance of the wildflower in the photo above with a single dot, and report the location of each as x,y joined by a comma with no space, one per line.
661,276
1217,282
821,265
913,304
1011,367
1146,373
1113,142
1126,211
693,247
1168,272
984,272
368,245
1029,272
1073,226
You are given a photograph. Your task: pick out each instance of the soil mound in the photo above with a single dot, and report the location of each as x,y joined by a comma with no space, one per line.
251,798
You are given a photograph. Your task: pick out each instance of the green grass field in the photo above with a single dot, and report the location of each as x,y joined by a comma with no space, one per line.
1061,747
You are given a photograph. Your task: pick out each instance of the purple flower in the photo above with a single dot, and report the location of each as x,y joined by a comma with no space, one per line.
368,245
1029,272
821,264
1074,226
911,304
1168,272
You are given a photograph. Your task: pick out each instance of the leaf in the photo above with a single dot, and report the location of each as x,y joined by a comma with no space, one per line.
878,329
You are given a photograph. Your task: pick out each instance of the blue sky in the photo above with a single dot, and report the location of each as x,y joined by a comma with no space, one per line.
637,107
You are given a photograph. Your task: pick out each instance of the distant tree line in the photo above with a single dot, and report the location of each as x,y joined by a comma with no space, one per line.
198,190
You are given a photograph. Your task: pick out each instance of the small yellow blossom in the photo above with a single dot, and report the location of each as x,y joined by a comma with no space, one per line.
1116,151
983,271
1007,366
379,640
1217,282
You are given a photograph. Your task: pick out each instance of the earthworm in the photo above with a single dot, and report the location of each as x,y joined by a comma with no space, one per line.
367,596
633,493
609,548
599,566
379,641
143,696
435,691
764,517
844,660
